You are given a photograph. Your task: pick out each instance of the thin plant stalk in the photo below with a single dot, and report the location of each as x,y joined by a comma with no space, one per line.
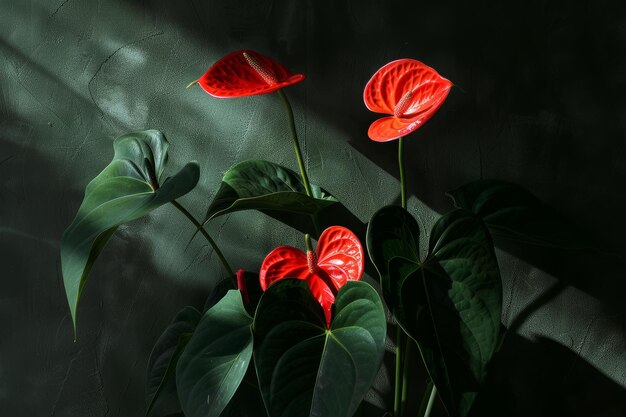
296,143
398,377
402,382
402,173
431,401
401,337
206,235
406,363
426,399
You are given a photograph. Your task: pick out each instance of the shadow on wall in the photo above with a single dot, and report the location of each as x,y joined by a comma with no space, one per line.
556,378
40,360
539,101
539,98
521,111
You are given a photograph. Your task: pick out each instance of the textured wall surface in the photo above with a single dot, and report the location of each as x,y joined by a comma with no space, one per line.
541,102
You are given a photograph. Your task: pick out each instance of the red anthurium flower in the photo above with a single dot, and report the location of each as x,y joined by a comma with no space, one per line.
409,91
246,73
339,258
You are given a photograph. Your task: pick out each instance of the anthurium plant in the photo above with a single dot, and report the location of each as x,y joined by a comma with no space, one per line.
304,331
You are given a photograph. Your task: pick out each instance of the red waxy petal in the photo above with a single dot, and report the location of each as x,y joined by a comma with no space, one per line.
283,262
390,128
340,254
390,83
236,76
408,89
340,257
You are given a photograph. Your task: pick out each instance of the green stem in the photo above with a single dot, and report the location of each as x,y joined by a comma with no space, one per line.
206,235
296,143
425,399
402,175
406,363
399,406
431,401
398,382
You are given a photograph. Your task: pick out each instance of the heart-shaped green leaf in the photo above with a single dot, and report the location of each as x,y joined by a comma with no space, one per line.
161,384
512,212
306,369
450,303
128,188
216,358
278,192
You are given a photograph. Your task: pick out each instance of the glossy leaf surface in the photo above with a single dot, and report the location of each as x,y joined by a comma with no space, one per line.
511,212
339,258
161,381
246,73
450,303
274,190
305,369
216,359
407,90
128,188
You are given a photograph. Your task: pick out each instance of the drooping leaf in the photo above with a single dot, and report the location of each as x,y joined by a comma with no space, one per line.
128,188
450,303
161,381
279,192
307,369
512,212
216,358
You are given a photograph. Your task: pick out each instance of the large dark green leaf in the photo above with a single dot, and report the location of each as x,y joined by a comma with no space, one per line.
128,188
278,192
450,303
511,212
161,381
216,359
305,369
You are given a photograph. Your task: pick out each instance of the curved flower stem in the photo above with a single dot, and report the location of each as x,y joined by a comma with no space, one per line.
206,235
402,175
296,143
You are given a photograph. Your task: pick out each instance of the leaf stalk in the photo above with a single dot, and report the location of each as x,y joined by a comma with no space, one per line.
206,235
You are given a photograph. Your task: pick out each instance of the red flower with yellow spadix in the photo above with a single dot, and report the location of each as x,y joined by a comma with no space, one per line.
338,259
407,90
246,73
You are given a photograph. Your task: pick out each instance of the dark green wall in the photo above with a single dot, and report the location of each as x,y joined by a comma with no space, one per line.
540,102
